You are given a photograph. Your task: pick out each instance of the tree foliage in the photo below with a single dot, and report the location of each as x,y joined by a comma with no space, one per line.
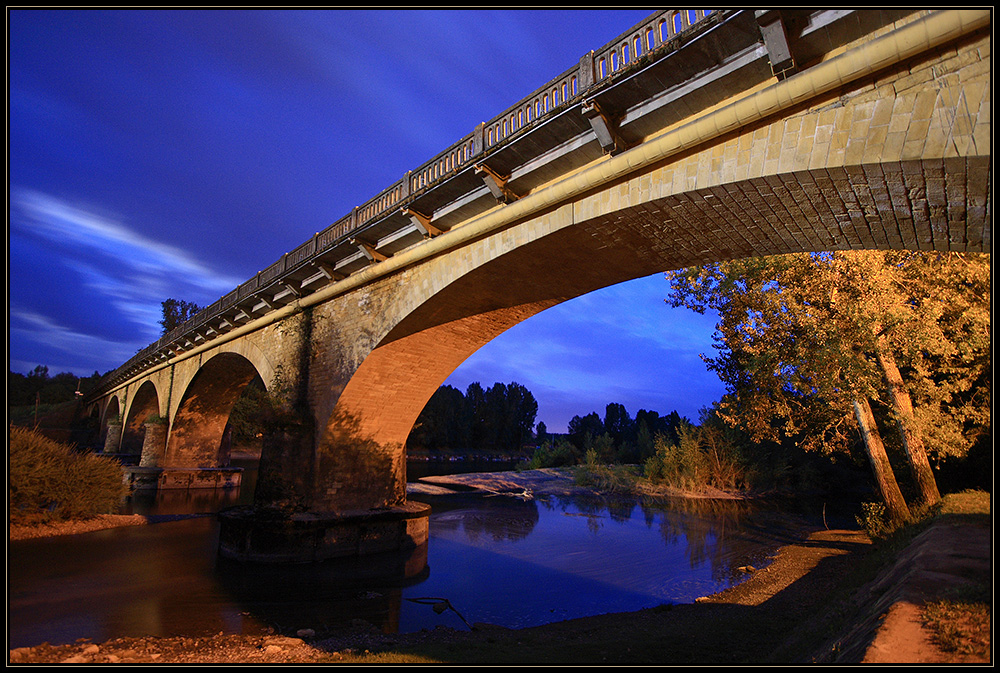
176,313
39,386
802,338
500,418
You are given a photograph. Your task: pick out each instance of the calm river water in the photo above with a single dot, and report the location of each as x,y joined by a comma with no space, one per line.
498,560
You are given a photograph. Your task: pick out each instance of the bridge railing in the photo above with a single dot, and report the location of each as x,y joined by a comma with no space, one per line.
455,157
628,49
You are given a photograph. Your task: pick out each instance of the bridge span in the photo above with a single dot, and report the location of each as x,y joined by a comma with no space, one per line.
694,137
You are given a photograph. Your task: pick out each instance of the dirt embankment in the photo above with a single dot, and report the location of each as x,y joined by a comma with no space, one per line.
794,610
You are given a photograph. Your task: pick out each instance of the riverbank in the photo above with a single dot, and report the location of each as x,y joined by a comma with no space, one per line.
549,481
809,604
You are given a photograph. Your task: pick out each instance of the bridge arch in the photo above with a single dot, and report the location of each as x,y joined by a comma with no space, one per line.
110,416
198,425
684,216
185,372
144,403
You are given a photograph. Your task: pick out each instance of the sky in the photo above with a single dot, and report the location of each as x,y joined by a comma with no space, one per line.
158,154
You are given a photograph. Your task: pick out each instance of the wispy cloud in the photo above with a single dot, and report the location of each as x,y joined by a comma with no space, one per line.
66,224
34,327
124,276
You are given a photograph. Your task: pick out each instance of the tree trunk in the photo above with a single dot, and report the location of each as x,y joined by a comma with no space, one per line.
894,502
913,443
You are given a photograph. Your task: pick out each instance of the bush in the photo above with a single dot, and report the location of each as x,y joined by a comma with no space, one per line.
702,457
606,478
553,454
50,481
874,520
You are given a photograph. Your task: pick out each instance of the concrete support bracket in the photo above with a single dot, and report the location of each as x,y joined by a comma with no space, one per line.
368,250
779,51
605,127
496,184
329,272
422,223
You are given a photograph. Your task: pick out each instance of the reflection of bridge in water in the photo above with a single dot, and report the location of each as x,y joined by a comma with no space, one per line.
694,137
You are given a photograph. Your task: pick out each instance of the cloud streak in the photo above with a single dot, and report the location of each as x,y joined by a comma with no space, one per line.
125,276
62,341
68,225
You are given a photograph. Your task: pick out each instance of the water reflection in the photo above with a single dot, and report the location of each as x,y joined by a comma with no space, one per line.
178,501
327,597
496,559
516,564
497,518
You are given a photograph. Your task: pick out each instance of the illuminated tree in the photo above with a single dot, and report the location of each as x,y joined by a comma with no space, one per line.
807,343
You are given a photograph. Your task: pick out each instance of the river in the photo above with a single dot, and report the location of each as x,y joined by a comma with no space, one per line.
494,559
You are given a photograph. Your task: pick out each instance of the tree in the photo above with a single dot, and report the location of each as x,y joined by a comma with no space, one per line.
617,422
499,418
475,399
509,417
583,430
176,313
805,341
541,432
444,422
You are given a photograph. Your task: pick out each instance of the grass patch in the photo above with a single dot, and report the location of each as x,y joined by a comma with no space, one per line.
961,623
966,502
960,626
620,479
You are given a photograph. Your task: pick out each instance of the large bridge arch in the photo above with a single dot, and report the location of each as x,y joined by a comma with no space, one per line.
888,161
898,158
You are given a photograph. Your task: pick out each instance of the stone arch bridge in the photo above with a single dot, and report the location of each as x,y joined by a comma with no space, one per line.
694,137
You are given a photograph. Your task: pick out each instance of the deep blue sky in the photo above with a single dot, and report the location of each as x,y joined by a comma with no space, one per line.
157,154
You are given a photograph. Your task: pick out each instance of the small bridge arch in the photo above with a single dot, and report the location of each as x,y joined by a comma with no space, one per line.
197,428
145,403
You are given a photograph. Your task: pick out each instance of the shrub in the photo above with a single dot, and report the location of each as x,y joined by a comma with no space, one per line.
50,481
606,478
702,457
553,454
874,520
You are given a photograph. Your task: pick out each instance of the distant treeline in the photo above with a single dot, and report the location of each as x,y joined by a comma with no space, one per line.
38,386
619,437
498,419
501,419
